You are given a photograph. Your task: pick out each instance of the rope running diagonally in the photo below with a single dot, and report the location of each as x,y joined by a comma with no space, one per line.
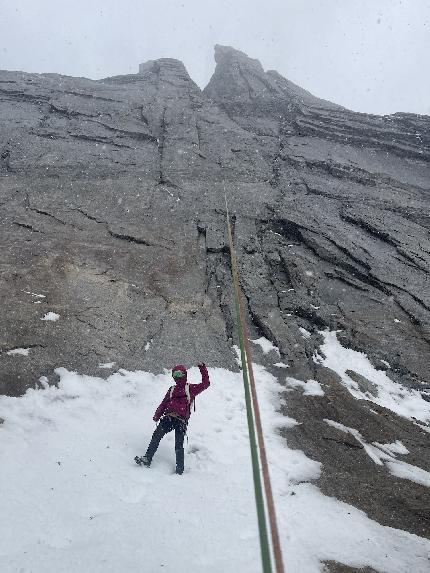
250,388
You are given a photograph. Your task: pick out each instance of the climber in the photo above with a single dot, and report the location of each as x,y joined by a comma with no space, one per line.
174,411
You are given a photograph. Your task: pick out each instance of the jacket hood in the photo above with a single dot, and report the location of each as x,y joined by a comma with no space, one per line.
182,369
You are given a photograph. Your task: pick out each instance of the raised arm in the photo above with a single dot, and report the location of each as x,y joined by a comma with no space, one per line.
204,384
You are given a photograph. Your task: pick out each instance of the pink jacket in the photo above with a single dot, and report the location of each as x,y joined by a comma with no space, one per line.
178,403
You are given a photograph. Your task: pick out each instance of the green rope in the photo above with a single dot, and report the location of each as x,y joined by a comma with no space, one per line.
259,498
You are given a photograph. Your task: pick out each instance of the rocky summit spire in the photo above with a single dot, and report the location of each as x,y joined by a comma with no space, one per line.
239,78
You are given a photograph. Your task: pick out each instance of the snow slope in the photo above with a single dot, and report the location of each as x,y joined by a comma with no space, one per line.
72,499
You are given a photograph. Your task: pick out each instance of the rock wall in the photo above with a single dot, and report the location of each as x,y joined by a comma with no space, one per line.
112,199
113,217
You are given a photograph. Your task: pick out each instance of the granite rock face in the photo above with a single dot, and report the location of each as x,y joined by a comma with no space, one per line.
113,217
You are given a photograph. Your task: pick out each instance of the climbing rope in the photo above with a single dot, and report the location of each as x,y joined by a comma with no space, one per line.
253,410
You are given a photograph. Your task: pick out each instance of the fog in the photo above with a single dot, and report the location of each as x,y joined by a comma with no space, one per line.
368,55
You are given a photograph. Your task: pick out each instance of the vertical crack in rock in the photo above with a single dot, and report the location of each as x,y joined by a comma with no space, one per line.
161,143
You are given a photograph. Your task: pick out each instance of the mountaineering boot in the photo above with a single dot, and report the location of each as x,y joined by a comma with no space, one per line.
142,461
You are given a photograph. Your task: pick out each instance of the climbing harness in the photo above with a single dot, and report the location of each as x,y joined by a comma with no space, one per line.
190,402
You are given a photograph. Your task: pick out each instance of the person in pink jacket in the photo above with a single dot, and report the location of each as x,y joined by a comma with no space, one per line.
174,412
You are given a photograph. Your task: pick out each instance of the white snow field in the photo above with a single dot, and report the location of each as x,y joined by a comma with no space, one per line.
72,499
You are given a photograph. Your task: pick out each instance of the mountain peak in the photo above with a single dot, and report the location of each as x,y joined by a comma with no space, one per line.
241,79
229,55
237,77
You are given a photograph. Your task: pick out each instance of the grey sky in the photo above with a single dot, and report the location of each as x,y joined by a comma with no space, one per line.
368,55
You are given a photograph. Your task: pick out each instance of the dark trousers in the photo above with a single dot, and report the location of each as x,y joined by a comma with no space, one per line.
166,425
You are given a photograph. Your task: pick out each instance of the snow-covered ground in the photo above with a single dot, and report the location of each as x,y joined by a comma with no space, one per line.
72,499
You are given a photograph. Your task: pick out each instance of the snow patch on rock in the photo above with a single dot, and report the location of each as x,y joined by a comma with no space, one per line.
107,365
266,346
305,333
18,351
386,454
52,316
389,394
310,388
407,471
